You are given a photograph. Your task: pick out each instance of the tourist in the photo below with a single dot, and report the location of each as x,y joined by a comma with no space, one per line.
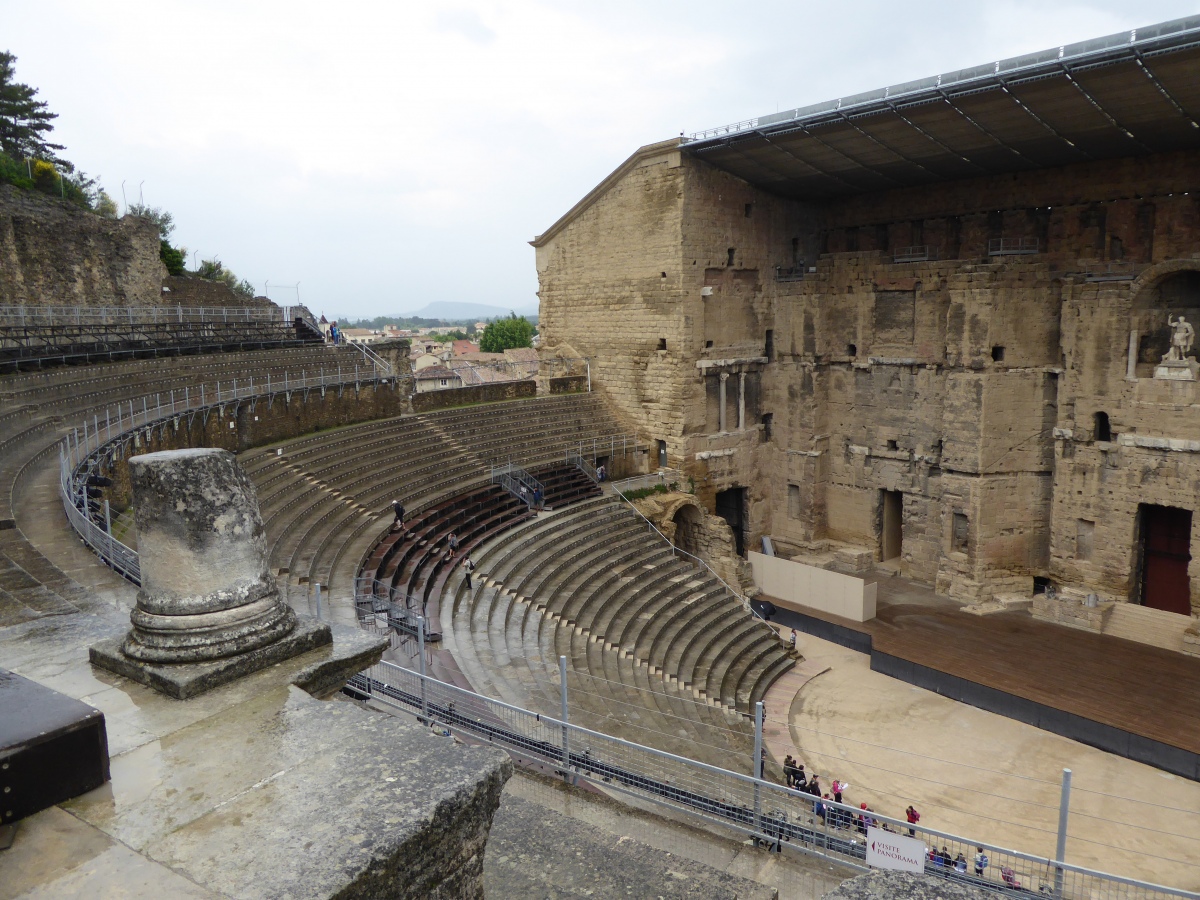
398,522
819,808
838,787
789,770
1009,877
960,865
601,474
913,818
468,568
537,498
981,861
792,641
814,786
453,542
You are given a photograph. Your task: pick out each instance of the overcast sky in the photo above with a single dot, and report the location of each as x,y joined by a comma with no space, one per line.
387,155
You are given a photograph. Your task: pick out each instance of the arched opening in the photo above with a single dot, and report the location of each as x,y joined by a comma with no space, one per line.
1101,429
687,529
1174,295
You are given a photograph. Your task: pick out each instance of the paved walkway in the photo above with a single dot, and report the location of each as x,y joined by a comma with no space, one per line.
978,774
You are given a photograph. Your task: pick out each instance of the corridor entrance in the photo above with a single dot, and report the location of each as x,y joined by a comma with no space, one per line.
1166,536
731,506
891,534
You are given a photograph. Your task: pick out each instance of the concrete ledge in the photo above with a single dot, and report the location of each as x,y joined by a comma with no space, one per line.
905,886
352,651
182,681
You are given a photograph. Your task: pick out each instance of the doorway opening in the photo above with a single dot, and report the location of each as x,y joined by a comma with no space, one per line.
1165,537
891,535
687,529
662,454
731,506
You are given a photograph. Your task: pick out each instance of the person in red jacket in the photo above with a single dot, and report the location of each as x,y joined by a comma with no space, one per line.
913,818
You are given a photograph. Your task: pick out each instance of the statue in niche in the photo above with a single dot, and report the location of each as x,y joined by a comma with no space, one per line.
1183,336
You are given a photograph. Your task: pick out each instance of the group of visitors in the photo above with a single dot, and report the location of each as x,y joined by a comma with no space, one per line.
798,780
452,542
335,333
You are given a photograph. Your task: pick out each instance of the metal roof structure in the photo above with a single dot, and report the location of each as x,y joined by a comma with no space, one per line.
1127,94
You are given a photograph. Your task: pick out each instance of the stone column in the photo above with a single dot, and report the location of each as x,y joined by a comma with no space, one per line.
741,401
724,378
208,611
206,592
1131,358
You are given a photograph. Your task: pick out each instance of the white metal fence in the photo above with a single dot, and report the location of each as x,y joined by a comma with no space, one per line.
778,816
81,451
147,315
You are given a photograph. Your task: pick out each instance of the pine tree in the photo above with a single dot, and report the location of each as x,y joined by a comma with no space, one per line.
24,121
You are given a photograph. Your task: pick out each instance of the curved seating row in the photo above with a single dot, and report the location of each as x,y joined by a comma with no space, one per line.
326,498
38,408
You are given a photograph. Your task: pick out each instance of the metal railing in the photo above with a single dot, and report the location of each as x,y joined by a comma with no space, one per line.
1026,246
1115,270
771,813
921,253
572,458
519,483
372,358
664,477
146,315
790,273
81,451
676,551
625,443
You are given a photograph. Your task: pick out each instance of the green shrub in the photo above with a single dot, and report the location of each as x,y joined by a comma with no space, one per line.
172,258
639,493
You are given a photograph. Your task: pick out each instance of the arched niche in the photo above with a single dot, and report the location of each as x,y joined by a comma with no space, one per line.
1166,291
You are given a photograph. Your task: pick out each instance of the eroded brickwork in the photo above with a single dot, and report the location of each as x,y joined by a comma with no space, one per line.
944,407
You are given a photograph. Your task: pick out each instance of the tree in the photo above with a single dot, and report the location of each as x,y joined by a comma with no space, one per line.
24,121
504,334
160,217
214,270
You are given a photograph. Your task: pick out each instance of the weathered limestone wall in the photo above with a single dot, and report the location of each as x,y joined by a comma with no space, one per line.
809,367
478,393
55,254
610,286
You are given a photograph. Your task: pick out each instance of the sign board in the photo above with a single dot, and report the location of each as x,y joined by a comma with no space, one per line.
888,850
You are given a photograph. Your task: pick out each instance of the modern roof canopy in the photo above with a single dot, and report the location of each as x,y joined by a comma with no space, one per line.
1127,94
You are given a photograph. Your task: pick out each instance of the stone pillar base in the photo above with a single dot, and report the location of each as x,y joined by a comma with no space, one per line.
184,680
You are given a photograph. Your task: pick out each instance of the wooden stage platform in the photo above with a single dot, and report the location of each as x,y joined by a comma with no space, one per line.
1127,698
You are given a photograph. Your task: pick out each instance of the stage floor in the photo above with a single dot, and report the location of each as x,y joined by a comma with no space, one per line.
1125,697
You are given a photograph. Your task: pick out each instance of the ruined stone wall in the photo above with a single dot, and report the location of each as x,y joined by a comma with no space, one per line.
53,253
968,382
610,283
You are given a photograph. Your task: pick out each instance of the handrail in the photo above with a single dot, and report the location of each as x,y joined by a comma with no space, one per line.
141,315
573,458
674,549
512,478
371,356
80,453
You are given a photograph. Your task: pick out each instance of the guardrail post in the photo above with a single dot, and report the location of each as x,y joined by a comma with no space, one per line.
566,741
758,765
421,654
1060,850
108,528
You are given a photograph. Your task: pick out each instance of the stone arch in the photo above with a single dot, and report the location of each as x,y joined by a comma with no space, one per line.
1164,290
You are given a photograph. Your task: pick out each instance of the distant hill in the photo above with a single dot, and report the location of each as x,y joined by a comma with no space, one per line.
448,311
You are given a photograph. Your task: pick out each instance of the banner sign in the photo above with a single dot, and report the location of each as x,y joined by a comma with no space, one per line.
888,850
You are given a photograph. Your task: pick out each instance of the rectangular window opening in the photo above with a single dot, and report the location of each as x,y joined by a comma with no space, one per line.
997,354
793,501
662,343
